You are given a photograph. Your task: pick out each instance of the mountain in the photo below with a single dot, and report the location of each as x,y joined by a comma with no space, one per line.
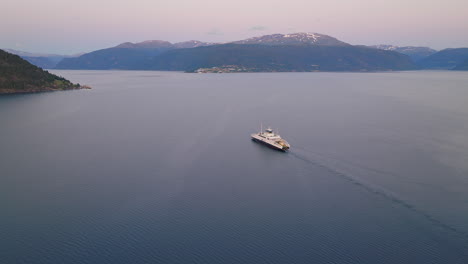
148,44
415,53
125,56
161,44
446,59
277,52
42,60
30,54
266,58
19,76
192,44
294,39
462,66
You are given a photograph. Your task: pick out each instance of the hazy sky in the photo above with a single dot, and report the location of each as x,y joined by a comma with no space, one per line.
73,26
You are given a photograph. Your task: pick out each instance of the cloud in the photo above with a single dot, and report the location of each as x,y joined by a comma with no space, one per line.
215,31
258,28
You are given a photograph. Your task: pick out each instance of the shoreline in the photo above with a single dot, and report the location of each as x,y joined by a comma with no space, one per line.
41,90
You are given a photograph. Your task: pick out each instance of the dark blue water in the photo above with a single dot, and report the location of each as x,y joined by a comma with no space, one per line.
158,167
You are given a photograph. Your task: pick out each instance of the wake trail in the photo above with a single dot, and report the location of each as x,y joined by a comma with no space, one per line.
376,190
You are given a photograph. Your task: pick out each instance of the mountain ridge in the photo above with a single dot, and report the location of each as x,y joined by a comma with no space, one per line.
416,53
154,54
298,38
446,59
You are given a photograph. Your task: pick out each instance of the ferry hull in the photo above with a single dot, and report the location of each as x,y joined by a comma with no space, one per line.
269,145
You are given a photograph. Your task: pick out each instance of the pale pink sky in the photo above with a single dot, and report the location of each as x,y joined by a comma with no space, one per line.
66,26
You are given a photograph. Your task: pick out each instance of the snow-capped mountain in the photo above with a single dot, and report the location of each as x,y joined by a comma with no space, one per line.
406,48
294,39
158,44
192,44
416,53
277,52
385,47
272,40
148,44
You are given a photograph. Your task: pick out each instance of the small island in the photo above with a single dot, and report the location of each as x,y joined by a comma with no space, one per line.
237,68
224,69
19,76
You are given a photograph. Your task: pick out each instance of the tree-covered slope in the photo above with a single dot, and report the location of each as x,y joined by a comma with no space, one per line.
446,59
19,76
462,66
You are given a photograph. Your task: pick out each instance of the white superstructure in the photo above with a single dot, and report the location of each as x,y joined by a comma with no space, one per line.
271,139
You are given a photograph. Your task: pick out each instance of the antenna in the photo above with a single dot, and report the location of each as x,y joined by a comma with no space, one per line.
261,127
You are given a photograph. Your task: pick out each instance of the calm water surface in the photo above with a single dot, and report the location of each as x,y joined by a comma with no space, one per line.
158,167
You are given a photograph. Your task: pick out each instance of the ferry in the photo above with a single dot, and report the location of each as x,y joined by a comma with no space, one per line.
271,139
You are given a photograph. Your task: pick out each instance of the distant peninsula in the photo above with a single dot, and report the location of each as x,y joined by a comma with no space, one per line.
19,76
